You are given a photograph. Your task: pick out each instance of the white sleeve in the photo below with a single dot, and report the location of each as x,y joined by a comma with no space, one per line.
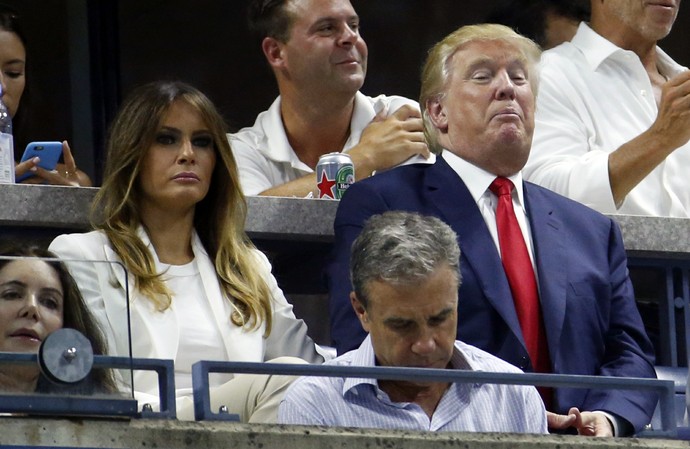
392,103
534,410
288,335
253,167
300,406
85,274
74,250
562,158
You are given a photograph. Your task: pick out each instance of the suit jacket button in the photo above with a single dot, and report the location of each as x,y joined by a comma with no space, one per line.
524,363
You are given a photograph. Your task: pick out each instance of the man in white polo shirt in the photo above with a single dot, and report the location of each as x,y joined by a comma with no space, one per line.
319,60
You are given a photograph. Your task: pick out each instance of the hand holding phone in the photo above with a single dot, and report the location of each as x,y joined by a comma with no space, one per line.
48,153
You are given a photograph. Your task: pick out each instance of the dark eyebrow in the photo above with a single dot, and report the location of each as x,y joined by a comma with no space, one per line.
327,19
443,314
396,321
16,283
51,290
13,283
170,129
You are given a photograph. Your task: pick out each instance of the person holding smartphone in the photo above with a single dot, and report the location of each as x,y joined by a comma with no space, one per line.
13,75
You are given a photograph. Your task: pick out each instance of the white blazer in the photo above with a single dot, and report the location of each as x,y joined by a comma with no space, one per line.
156,334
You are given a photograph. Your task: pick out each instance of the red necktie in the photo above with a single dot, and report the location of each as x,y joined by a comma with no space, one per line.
523,284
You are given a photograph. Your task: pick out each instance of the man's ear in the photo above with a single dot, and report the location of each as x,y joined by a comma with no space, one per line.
360,310
437,113
273,50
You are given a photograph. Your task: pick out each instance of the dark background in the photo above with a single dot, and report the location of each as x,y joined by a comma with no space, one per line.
84,55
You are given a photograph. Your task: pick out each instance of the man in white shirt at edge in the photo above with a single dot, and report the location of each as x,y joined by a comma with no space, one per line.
405,273
319,60
613,114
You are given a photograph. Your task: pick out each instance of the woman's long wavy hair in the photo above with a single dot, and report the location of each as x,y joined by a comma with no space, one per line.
219,218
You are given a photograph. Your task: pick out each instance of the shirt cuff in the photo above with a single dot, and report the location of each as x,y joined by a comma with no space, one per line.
621,427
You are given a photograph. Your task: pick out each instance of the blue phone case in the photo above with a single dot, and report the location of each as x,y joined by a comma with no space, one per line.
48,152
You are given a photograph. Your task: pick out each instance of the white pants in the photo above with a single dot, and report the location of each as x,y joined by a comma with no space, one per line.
255,397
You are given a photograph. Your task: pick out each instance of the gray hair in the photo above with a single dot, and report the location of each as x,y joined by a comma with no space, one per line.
401,248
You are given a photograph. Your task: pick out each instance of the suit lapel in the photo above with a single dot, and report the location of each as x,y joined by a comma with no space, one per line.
455,205
239,344
549,252
154,333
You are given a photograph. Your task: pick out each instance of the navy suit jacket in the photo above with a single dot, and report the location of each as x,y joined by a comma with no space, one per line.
592,323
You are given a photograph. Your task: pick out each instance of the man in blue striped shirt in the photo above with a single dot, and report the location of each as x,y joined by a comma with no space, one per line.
405,273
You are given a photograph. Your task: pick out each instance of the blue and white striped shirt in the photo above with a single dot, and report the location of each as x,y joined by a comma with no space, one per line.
465,407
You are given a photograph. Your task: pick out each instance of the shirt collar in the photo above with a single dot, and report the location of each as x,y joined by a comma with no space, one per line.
593,46
364,356
596,49
667,66
478,180
362,114
278,147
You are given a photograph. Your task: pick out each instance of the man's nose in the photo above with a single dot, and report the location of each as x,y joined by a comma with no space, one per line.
505,86
425,343
348,35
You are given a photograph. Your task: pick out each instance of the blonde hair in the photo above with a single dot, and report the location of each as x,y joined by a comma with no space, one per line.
219,218
437,68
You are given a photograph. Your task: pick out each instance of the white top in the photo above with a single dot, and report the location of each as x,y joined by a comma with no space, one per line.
157,334
478,182
265,158
197,342
594,97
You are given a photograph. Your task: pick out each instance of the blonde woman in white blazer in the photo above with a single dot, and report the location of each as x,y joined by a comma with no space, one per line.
171,211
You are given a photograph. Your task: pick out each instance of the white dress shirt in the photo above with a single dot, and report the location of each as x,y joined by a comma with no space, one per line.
478,181
594,97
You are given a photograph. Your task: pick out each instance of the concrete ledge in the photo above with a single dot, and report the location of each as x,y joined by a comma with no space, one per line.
64,209
212,435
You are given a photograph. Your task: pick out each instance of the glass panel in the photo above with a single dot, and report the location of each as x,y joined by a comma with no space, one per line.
58,333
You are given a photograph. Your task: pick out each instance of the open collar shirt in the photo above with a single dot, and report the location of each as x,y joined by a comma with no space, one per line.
266,159
594,97
352,402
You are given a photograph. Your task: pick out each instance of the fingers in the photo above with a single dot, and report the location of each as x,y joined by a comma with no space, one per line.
679,79
677,87
586,423
26,166
54,177
556,421
381,115
406,112
67,157
595,424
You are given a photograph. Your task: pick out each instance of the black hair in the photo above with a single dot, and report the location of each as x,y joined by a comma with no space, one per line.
10,21
269,18
528,17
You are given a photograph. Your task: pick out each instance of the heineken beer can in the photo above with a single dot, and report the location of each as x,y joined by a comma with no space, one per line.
334,174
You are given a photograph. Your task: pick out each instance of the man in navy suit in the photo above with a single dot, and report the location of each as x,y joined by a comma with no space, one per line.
478,95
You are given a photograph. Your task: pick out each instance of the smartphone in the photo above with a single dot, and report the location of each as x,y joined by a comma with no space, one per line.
48,152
